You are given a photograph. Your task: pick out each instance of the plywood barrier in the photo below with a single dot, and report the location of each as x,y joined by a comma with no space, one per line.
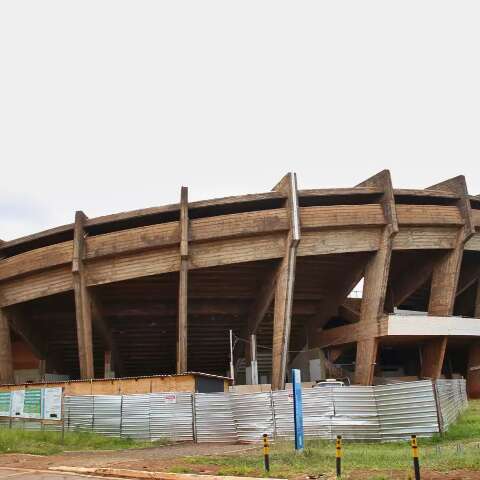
124,386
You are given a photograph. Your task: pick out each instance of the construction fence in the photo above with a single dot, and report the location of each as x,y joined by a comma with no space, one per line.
381,413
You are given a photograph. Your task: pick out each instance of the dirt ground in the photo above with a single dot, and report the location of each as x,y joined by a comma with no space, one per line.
152,459
166,457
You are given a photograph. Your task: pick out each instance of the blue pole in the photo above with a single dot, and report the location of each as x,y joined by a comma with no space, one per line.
297,409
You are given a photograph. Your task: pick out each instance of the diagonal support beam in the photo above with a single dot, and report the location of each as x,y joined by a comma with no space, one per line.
445,277
18,317
23,328
259,309
376,280
83,309
332,303
473,366
285,285
433,354
348,334
469,274
264,300
348,313
405,283
101,326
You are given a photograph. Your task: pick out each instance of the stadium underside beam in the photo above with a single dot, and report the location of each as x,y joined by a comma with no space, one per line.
259,309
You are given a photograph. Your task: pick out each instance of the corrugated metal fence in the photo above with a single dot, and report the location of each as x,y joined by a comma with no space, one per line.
452,400
384,412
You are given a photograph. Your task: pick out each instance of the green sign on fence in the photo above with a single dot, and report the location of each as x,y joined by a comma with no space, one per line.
32,406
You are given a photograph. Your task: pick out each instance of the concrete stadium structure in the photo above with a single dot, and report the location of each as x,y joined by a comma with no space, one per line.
156,291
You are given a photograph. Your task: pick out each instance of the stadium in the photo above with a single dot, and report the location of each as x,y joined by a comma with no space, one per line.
368,283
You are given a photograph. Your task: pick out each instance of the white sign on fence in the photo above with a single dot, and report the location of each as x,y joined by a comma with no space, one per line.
18,398
52,403
171,398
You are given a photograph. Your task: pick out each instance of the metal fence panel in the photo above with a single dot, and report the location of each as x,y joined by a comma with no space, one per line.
385,412
135,422
318,412
214,418
406,408
452,399
107,414
283,414
355,413
78,412
171,416
252,415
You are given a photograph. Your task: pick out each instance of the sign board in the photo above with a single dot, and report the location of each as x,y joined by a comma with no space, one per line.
297,409
5,404
32,403
52,403
170,398
17,403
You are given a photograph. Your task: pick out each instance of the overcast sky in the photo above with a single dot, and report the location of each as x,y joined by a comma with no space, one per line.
107,106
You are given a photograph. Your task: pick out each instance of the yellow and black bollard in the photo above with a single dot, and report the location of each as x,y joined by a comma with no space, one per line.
416,464
338,455
266,452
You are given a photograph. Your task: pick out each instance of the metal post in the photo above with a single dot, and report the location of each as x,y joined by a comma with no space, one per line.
253,356
297,410
338,455
266,452
194,418
274,419
232,369
416,464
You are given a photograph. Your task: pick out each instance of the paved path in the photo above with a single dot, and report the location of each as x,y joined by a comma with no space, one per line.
21,474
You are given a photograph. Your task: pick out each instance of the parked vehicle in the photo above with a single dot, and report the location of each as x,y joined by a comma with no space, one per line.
329,382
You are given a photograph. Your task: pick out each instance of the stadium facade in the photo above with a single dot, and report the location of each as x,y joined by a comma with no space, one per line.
156,291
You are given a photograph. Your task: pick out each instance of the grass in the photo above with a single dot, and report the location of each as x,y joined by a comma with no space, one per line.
50,443
457,449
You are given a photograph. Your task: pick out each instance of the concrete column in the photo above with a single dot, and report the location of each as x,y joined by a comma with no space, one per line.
6,358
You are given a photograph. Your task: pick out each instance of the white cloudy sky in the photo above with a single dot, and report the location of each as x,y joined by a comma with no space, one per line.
108,106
